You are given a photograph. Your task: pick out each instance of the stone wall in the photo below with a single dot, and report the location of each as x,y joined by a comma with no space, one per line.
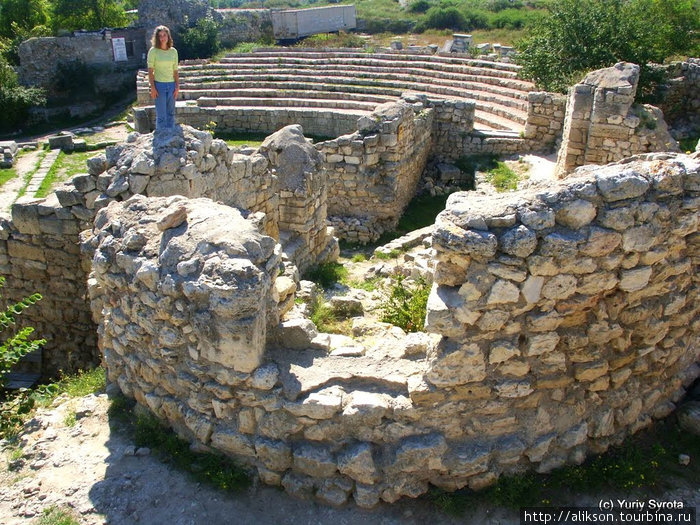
373,173
39,244
563,322
681,98
319,123
174,13
303,195
602,125
545,118
39,252
41,59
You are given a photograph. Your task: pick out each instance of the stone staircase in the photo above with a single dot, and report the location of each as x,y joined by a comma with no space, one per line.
348,80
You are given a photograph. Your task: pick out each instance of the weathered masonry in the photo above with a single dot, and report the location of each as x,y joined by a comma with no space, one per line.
559,321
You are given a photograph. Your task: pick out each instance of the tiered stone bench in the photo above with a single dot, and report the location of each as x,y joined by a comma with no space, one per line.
350,81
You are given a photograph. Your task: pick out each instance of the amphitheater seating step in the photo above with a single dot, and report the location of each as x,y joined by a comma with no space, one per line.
351,80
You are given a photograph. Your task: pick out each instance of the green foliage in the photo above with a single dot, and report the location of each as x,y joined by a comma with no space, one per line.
443,18
688,144
87,14
502,178
70,418
22,15
82,383
396,26
57,516
419,6
15,100
515,18
200,41
580,35
327,274
385,256
359,257
406,306
18,343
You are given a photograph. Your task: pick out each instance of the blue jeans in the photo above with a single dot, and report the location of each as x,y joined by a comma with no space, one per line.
165,105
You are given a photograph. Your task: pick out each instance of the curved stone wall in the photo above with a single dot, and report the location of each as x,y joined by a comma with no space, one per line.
563,322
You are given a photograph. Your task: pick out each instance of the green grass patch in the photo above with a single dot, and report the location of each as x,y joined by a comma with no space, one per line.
359,257
66,166
503,178
57,516
368,285
147,431
326,321
7,174
386,256
83,383
340,39
28,176
241,138
327,274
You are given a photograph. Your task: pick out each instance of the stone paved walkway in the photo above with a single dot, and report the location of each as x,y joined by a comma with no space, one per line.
41,172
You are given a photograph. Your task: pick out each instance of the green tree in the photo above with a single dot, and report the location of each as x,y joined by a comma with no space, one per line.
200,41
581,35
15,100
22,15
87,14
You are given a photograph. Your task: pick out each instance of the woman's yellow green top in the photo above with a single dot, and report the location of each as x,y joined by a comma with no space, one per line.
163,62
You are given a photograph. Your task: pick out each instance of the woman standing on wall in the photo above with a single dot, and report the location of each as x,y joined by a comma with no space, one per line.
162,76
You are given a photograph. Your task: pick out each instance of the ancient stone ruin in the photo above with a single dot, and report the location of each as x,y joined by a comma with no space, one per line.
561,319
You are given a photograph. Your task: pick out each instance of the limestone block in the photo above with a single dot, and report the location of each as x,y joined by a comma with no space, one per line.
559,287
619,185
561,245
318,405
540,447
537,219
265,377
532,288
513,389
574,436
467,459
275,455
457,365
313,460
334,491
356,462
493,320
298,485
600,242
576,214
228,440
541,344
366,496
503,292
590,371
639,239
297,333
279,425
420,453
505,271
366,406
636,279
501,351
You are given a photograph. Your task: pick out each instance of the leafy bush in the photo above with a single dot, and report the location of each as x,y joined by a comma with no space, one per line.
18,344
581,35
406,306
515,18
397,26
419,6
200,41
15,100
443,18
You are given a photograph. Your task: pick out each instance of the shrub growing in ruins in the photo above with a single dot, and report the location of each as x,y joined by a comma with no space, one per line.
406,305
18,344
